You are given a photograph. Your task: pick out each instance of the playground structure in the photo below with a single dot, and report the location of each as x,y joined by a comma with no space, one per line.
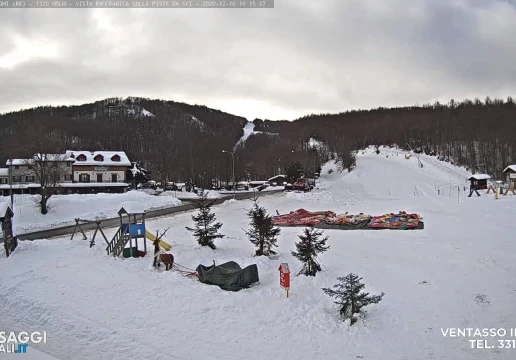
132,227
98,228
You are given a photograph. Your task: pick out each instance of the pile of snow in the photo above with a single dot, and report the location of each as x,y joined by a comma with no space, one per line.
457,272
212,194
329,166
63,209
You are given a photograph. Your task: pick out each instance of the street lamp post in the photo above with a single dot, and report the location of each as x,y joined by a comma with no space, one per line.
233,158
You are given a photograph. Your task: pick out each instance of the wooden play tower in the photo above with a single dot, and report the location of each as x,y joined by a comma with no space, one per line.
132,227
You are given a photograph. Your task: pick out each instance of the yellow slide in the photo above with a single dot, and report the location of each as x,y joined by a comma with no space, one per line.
152,237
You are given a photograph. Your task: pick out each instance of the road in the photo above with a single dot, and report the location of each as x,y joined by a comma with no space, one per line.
115,222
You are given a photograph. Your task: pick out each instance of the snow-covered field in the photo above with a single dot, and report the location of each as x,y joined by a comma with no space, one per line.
211,194
63,209
456,273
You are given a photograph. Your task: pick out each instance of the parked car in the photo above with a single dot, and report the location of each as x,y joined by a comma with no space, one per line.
302,185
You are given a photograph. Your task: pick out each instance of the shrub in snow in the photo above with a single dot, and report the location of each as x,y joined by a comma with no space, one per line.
205,231
330,171
262,232
350,296
310,245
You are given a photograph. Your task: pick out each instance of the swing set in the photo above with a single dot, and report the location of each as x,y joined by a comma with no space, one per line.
98,228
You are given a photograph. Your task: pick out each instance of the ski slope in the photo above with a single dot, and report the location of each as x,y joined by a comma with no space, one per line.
458,272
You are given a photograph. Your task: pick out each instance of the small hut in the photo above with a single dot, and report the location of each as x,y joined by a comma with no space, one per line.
478,181
7,235
278,179
510,176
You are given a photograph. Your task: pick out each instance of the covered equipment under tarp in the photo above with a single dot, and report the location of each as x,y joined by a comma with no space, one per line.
401,221
301,217
229,276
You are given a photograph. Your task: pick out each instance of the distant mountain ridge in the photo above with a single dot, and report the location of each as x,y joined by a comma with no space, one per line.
183,142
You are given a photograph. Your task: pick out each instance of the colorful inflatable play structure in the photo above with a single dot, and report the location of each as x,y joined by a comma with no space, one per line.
329,220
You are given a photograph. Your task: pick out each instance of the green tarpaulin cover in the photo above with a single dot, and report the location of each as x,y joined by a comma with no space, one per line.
229,276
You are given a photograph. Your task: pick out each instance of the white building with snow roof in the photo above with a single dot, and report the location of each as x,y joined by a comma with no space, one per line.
83,172
100,167
510,175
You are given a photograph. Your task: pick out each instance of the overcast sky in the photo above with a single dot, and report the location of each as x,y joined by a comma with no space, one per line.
298,58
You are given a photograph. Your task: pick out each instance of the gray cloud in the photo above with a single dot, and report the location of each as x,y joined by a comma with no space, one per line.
298,58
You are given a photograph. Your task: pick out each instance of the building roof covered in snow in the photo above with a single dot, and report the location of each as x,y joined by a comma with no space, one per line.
99,158
277,177
40,157
479,177
510,168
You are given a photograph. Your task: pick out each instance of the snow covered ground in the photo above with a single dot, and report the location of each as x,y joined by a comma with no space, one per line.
458,272
190,195
65,208
30,354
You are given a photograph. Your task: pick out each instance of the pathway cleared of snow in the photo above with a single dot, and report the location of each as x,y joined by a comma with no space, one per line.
457,272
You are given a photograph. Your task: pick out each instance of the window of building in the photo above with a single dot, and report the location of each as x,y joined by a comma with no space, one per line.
81,157
3,181
85,178
115,158
99,178
114,178
16,179
16,167
99,158
30,178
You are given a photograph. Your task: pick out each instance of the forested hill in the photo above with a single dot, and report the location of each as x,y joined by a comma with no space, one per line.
176,139
477,134
184,143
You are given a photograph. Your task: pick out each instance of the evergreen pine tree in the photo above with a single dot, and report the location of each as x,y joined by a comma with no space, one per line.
205,231
310,245
262,232
350,296
294,172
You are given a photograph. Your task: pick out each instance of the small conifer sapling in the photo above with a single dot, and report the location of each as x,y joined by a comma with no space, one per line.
310,245
351,298
262,233
205,230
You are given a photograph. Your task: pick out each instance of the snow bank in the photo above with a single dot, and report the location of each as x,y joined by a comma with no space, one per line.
189,195
63,209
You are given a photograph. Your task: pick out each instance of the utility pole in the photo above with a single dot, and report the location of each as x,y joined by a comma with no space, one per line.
233,158
11,181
